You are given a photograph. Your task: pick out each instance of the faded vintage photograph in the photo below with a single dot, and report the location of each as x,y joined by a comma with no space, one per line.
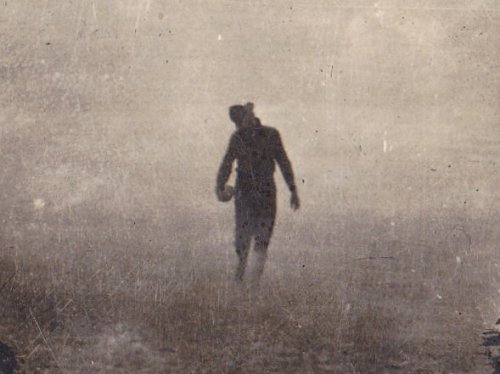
233,186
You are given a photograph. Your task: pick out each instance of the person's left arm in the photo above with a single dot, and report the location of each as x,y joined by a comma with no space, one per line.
286,169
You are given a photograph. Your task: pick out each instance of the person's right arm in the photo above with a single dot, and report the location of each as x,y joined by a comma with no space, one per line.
226,166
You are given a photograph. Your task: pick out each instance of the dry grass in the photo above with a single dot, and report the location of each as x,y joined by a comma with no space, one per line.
101,307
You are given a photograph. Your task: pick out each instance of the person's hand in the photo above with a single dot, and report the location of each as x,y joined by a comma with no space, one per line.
294,201
225,193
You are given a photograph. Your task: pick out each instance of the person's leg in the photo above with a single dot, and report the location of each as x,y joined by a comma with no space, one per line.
262,239
242,239
242,246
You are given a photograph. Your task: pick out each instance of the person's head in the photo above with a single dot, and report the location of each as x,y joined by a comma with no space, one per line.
243,116
237,114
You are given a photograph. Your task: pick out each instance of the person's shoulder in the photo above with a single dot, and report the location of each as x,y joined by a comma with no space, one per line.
263,128
271,131
236,133
235,136
239,134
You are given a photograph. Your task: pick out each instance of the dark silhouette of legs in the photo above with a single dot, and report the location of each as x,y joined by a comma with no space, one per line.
242,248
260,262
255,215
263,235
242,240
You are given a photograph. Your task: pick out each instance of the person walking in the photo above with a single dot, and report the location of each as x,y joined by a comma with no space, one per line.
256,148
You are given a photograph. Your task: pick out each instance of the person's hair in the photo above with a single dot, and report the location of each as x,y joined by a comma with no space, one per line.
237,113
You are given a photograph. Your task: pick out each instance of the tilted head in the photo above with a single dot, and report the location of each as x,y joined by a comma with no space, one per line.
237,114
243,116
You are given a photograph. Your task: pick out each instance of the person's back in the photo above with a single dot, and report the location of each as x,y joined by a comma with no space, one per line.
256,156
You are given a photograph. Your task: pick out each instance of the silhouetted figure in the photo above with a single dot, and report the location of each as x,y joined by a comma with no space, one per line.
256,148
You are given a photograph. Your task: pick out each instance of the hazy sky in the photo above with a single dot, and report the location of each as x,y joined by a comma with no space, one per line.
121,106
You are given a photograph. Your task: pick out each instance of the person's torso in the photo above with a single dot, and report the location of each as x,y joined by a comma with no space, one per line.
255,157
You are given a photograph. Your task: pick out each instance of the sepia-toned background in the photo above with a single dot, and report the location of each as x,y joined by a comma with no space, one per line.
113,122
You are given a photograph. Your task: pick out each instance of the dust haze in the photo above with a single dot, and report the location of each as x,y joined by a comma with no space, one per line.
116,255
